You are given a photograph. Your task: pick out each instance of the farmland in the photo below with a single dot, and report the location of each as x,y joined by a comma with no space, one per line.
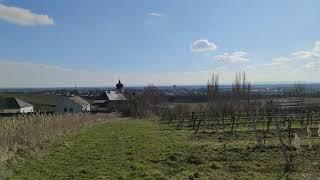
146,148
232,136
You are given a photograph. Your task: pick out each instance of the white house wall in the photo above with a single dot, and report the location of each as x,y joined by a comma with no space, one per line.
10,111
69,104
26,109
86,108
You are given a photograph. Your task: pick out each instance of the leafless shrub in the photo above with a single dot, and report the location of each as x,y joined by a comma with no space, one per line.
146,103
286,155
201,110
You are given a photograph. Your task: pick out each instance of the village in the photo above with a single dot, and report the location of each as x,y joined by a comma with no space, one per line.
106,101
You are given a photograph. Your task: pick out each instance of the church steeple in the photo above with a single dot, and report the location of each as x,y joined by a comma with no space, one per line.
119,87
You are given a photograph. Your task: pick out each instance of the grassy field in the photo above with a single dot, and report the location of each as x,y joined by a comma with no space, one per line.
140,149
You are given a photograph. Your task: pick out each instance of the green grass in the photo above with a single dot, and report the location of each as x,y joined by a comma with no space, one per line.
140,149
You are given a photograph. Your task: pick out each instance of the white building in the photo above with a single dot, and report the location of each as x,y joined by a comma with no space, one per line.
11,105
73,104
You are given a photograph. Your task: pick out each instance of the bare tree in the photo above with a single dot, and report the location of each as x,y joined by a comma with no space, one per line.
299,90
147,102
239,102
213,90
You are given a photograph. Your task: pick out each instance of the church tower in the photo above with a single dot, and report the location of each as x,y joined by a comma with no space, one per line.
119,87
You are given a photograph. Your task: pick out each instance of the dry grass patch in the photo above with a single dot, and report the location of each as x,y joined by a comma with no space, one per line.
26,134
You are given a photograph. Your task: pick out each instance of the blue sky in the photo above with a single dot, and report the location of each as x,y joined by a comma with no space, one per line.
93,43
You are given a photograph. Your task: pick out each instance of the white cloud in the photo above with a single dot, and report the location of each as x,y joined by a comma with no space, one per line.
203,45
307,55
291,68
23,17
239,56
279,61
315,66
303,54
312,56
156,14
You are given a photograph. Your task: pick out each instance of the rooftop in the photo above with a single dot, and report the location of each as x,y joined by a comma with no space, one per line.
115,96
79,100
12,103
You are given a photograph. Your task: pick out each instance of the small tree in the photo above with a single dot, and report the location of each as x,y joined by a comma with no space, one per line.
299,89
214,96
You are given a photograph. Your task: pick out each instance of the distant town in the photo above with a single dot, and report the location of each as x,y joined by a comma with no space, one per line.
170,90
108,99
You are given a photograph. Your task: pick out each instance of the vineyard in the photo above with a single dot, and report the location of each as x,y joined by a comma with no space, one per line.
234,116
262,120
297,129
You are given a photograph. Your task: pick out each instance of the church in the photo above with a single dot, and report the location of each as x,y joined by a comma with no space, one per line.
111,100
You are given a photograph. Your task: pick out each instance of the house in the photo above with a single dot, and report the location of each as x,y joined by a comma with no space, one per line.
12,105
74,104
109,102
100,105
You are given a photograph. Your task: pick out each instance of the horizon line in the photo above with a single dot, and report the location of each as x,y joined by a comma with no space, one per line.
164,85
